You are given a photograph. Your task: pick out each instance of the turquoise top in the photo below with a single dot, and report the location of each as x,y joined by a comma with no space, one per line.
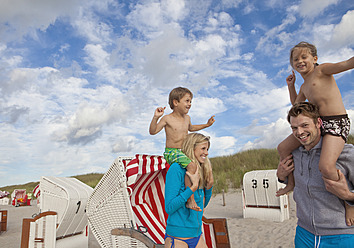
183,222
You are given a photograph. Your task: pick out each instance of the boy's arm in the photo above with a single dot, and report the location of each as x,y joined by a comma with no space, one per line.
334,68
290,80
193,128
156,126
301,96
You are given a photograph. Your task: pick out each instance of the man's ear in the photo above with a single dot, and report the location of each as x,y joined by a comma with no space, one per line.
175,102
319,122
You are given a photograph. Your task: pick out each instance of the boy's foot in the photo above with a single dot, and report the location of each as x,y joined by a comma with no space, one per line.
192,205
285,190
349,215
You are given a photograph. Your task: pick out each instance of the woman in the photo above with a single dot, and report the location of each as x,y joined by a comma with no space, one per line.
184,225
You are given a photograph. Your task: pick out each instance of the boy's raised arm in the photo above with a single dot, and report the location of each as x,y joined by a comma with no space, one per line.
290,80
193,128
334,68
155,126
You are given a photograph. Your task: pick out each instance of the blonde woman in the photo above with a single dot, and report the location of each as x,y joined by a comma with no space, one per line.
184,225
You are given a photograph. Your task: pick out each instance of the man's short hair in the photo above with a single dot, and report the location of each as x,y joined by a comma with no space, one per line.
305,108
177,94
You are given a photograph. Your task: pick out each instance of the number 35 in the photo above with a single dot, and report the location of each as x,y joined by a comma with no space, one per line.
265,183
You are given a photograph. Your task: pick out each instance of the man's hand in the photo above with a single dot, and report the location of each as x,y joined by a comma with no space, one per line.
285,167
211,121
339,188
159,112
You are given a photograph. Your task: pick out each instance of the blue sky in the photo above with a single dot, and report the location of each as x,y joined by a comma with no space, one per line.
80,80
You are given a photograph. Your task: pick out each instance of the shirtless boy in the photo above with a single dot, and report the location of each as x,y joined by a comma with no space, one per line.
177,124
320,88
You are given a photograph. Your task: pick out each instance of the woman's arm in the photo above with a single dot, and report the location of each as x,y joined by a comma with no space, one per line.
174,197
207,194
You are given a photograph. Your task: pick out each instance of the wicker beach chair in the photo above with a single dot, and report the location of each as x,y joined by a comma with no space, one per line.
109,207
68,198
39,231
259,196
127,209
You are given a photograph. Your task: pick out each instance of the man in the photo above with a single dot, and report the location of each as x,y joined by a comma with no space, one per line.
319,202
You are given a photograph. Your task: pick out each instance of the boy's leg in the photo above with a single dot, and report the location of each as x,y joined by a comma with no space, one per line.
192,168
289,186
349,215
285,148
332,147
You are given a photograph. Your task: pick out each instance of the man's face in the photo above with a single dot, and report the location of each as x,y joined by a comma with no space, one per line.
306,131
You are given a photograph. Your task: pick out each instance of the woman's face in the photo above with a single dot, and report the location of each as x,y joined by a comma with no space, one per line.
201,152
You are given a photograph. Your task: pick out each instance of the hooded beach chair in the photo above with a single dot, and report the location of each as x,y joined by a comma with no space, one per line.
130,199
39,231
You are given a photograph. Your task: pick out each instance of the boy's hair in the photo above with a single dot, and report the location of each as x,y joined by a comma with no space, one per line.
188,146
177,94
305,108
303,44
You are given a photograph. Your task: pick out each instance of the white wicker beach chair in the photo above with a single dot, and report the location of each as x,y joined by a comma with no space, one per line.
68,198
109,207
39,232
259,196
131,194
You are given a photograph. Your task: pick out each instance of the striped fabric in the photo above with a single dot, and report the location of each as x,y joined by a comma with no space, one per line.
146,175
36,191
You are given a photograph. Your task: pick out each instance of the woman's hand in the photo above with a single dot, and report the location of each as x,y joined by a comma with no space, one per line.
194,179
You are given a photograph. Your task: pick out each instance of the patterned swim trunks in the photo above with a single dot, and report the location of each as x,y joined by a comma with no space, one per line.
338,125
175,155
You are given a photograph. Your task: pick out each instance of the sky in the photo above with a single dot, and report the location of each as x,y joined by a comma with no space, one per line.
80,79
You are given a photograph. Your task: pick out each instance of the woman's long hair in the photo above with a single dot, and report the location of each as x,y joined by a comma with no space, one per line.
188,146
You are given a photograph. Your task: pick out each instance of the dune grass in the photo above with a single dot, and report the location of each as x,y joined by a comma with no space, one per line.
228,170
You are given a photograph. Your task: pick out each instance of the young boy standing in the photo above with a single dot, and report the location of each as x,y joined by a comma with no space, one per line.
177,124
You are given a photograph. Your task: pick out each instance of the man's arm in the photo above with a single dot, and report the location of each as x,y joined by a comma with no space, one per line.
339,188
334,68
285,167
156,126
193,128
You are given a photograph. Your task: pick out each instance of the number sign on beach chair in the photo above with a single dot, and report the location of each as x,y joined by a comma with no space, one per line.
127,209
259,196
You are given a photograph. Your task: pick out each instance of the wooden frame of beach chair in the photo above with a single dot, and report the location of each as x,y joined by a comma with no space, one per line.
138,237
39,231
3,220
68,198
220,231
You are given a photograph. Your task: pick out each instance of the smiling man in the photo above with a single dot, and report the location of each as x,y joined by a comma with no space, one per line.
320,203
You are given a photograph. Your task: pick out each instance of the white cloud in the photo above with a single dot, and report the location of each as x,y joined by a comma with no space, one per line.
23,17
343,33
312,8
269,136
203,108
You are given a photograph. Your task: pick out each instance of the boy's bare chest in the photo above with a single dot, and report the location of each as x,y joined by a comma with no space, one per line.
315,88
179,125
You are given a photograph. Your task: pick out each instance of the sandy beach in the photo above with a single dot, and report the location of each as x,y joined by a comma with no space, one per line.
244,233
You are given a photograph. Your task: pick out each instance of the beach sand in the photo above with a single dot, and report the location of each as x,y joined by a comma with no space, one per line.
243,233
